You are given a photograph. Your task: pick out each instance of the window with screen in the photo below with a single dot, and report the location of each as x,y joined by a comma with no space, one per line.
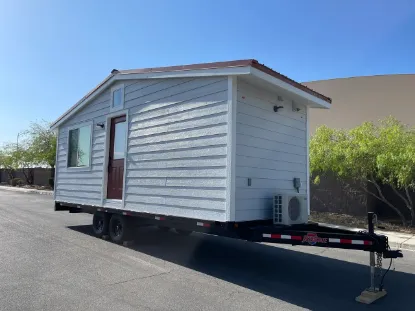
79,150
117,97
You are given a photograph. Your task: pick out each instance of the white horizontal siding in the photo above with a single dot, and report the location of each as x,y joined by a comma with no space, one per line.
270,150
176,210
177,148
180,145
179,163
180,112
176,162
206,172
73,185
180,154
214,129
200,122
206,193
188,183
266,153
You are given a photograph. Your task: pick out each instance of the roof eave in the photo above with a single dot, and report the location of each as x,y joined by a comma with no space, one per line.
317,99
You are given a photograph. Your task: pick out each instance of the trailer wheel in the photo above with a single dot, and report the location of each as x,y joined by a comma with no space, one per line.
120,228
100,224
183,232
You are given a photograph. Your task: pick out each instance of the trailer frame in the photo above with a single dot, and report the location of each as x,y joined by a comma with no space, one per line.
310,234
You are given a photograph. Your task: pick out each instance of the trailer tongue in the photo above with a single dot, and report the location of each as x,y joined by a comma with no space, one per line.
338,237
324,235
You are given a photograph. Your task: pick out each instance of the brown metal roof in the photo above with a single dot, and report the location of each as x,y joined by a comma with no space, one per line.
229,64
217,65
298,85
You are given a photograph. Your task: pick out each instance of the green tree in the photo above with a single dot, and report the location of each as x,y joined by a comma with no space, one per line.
7,161
42,143
18,157
25,158
370,154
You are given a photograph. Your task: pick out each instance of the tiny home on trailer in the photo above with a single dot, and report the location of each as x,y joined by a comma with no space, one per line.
215,141
217,148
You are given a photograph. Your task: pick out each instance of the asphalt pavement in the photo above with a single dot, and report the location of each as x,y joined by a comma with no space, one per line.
50,261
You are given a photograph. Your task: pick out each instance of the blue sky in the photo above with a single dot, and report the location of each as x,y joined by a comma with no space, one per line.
53,52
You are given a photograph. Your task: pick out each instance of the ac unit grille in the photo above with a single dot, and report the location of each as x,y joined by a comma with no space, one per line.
294,208
289,209
278,209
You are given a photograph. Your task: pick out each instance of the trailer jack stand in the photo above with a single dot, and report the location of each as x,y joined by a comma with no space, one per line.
373,293
368,296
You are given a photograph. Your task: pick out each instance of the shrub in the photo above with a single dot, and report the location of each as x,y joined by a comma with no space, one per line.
16,182
370,155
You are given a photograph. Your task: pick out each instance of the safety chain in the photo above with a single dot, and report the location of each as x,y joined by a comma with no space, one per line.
378,272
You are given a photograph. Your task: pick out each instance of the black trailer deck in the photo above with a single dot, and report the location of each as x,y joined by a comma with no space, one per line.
310,234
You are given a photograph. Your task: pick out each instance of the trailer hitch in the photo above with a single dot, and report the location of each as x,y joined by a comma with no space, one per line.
392,254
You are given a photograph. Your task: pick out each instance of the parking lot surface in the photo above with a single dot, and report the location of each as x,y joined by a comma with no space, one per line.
50,261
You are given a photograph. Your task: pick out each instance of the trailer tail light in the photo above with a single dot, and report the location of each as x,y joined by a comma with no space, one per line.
203,224
283,236
347,241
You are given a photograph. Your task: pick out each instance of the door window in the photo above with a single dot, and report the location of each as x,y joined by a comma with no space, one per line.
119,140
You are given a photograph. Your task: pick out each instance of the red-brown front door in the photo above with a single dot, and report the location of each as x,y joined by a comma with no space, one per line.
116,158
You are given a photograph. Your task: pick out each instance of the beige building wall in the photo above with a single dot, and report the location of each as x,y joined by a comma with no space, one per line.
360,99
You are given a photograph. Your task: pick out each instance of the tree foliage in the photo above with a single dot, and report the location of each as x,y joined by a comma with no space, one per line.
8,161
370,154
36,147
42,142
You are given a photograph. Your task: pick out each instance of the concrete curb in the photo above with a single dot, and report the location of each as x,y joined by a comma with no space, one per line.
24,190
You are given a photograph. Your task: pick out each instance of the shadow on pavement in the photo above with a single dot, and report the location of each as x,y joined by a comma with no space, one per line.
310,281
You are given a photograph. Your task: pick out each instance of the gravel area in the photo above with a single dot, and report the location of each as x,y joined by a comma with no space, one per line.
356,221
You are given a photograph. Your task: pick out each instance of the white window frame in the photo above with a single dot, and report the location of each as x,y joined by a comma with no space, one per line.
113,89
73,127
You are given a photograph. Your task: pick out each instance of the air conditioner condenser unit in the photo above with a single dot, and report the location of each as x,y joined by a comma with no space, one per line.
290,209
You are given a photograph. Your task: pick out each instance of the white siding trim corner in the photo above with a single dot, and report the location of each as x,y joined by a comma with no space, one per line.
231,151
308,157
125,158
55,178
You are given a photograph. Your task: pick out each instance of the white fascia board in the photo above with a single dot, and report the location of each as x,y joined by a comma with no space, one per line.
290,88
231,71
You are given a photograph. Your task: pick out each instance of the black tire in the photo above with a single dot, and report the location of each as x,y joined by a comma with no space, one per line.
100,224
163,229
183,232
120,228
